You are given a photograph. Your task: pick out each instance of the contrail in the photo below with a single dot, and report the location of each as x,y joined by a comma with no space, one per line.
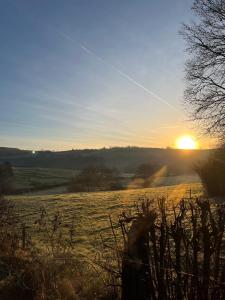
128,77
123,74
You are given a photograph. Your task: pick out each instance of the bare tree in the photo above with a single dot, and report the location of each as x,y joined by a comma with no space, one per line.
205,69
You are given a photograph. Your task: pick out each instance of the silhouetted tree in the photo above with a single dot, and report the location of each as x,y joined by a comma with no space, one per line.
212,173
205,70
95,178
145,172
6,176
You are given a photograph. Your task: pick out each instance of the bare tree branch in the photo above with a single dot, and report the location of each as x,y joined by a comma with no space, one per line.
205,69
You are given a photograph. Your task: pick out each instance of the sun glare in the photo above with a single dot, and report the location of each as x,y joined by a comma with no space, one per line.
186,143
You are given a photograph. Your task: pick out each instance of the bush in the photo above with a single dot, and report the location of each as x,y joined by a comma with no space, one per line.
212,173
95,178
6,176
171,251
146,173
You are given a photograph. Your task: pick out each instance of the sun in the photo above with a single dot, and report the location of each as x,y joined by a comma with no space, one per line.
186,142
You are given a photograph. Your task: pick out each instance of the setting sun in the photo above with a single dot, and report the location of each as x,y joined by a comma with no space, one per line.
186,143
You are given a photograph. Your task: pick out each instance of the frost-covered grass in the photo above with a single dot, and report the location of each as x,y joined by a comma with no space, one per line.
91,211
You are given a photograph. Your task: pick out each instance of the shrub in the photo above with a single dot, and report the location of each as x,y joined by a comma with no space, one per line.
171,252
95,178
146,174
6,176
212,173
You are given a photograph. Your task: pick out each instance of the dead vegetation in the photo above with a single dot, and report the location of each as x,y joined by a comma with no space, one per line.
30,273
173,253
159,251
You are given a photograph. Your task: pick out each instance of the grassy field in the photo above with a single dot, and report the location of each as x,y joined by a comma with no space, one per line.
40,178
90,211
51,181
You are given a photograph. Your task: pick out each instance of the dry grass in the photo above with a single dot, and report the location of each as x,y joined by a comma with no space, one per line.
145,241
28,274
170,252
89,211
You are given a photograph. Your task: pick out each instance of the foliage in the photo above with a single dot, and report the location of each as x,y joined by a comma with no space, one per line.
95,178
6,176
146,172
212,173
205,68
125,159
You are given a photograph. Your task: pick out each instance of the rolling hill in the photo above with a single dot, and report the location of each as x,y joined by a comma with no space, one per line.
125,159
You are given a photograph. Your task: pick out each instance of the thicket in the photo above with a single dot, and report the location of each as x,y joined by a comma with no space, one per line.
6,178
144,174
212,173
96,178
171,253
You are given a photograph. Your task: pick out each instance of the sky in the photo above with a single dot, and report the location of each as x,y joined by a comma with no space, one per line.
92,73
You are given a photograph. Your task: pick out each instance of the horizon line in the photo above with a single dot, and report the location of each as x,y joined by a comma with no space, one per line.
105,148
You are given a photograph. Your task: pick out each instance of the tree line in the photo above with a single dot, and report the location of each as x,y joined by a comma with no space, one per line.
103,178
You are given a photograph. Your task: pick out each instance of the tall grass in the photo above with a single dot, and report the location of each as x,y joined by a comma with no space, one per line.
30,273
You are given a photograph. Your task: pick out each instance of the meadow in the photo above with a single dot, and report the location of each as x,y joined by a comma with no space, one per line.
44,181
88,213
32,179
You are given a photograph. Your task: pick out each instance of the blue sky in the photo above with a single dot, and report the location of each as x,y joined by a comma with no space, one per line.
92,73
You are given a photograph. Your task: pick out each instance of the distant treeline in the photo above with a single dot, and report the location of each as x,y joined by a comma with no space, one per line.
124,159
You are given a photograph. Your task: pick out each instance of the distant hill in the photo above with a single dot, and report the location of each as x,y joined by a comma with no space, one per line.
10,152
125,159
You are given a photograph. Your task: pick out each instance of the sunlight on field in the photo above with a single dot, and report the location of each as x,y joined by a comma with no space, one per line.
92,210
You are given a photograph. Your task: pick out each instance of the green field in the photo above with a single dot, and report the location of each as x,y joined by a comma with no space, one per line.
91,211
52,181
28,179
